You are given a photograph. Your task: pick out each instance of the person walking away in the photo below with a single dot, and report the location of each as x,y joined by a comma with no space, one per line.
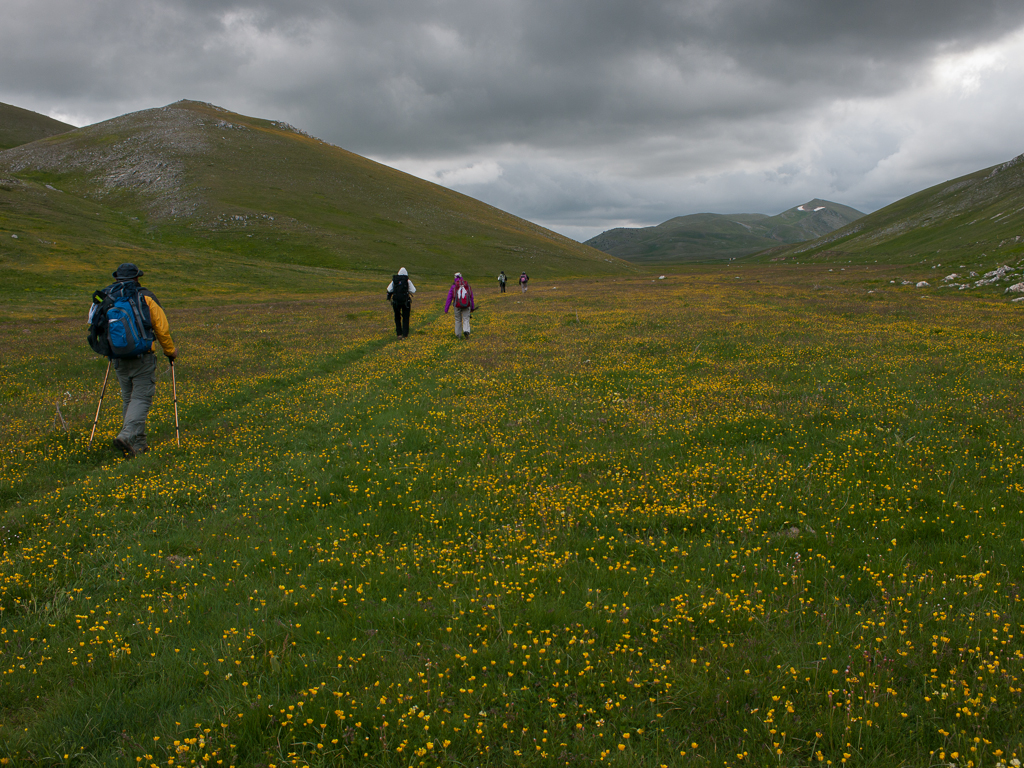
461,296
523,280
137,375
400,291
502,280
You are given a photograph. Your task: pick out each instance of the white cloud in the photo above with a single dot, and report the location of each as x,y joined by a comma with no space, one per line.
963,72
77,120
486,172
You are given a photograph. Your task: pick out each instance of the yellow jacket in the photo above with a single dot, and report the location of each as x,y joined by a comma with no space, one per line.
161,329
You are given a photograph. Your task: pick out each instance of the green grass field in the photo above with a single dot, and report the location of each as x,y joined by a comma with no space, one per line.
739,516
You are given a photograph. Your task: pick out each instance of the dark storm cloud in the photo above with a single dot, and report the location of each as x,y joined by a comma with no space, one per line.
395,76
576,99
458,76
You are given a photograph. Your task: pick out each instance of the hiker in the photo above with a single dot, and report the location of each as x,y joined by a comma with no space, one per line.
400,291
461,295
137,375
502,280
523,280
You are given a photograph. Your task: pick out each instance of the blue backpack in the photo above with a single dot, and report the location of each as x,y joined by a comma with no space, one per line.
119,322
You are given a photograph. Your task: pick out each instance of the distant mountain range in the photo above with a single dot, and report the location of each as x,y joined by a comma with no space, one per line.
194,178
197,177
981,213
713,236
20,126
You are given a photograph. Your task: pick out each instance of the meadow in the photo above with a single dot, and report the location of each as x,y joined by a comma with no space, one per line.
739,516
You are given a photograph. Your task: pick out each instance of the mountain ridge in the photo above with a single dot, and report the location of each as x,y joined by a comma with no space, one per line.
21,126
196,175
713,236
963,217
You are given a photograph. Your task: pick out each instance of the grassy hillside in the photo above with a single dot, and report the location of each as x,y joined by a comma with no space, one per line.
192,178
746,515
713,237
975,219
20,126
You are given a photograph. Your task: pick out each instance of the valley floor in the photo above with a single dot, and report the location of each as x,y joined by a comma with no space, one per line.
730,517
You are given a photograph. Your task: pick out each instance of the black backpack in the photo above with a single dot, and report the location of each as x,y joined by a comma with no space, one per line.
400,290
119,322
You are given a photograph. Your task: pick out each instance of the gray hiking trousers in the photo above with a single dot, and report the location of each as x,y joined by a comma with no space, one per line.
462,320
137,377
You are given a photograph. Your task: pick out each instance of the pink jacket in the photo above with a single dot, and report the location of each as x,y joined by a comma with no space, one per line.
451,295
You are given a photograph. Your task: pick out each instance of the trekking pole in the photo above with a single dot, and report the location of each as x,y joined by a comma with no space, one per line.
102,393
174,388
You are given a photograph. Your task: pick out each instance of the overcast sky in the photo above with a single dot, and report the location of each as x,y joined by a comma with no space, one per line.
581,115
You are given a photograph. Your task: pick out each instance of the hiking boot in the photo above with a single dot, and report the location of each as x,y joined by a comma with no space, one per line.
125,447
465,334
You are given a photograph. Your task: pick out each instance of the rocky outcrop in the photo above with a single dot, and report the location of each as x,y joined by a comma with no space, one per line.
142,151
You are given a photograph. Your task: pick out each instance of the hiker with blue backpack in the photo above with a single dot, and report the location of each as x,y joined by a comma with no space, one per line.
461,296
400,291
125,323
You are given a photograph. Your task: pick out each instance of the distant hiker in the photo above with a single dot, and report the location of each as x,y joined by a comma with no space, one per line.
502,280
126,322
523,280
400,291
461,296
